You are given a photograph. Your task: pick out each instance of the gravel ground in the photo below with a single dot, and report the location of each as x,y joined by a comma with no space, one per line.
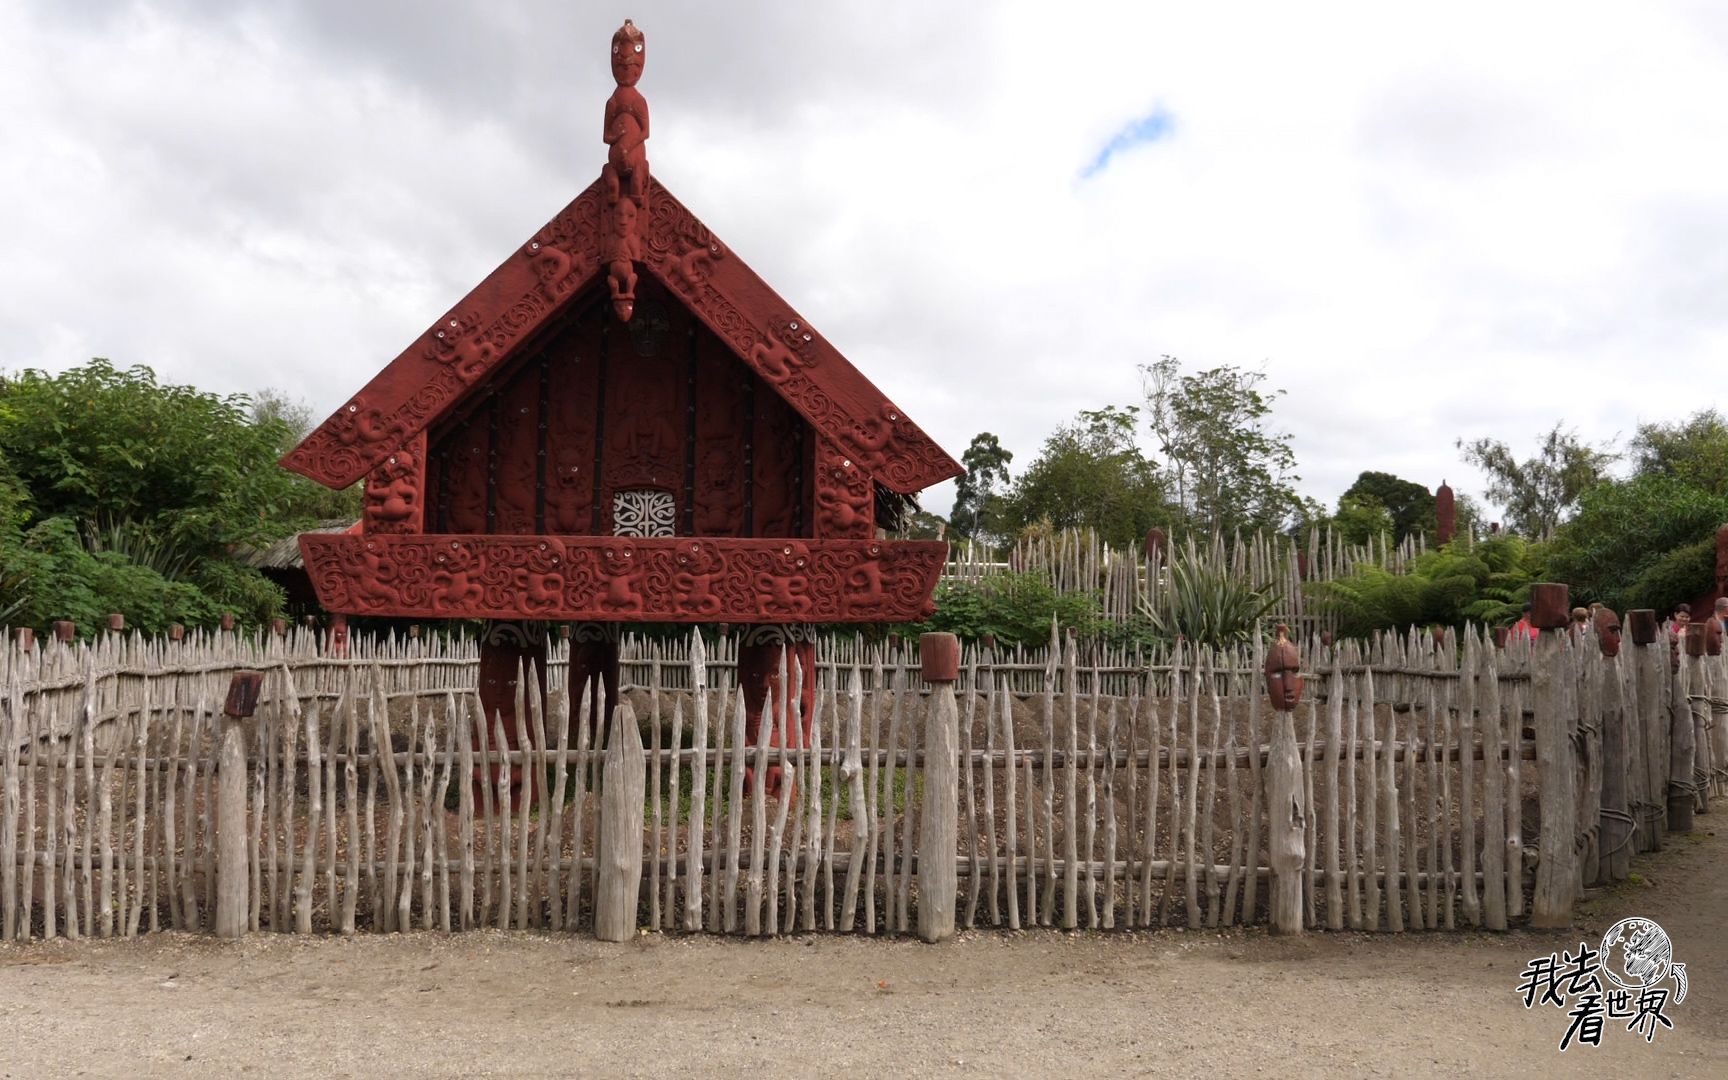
988,1004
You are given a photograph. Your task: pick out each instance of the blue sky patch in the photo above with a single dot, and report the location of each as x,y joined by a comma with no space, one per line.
1155,125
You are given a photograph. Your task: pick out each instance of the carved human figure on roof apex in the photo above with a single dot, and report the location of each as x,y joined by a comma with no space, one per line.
626,127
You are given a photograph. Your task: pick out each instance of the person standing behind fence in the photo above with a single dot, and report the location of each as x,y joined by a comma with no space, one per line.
1525,626
1676,628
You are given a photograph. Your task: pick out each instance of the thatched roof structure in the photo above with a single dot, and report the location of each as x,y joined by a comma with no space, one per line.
284,554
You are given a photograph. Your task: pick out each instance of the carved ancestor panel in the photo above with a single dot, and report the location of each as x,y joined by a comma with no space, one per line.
845,497
575,376
464,457
606,579
778,476
720,484
394,491
645,378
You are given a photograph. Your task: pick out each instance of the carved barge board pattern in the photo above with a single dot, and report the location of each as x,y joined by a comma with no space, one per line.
613,579
519,299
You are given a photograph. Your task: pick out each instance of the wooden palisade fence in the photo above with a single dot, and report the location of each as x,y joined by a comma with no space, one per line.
1444,783
1129,580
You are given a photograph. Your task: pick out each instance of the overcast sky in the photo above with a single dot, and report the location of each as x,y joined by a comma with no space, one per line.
1423,222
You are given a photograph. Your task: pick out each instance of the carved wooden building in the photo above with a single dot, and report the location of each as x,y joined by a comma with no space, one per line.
623,423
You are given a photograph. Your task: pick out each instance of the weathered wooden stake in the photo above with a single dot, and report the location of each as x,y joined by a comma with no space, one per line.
937,881
233,871
1557,868
619,882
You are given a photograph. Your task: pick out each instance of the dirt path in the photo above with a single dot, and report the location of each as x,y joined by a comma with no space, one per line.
990,1004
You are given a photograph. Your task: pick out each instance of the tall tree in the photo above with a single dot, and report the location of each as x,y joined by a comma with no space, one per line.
1407,503
1539,492
1091,474
1231,469
1693,451
978,492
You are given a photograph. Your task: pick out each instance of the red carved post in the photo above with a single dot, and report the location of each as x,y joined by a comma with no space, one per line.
337,641
760,654
25,637
116,623
228,621
176,632
1154,542
506,648
593,677
1445,514
65,629
279,627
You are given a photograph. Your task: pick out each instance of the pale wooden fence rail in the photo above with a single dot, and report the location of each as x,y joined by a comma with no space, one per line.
1442,784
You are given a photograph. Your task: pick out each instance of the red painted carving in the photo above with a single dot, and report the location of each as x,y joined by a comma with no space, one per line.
1283,672
606,579
1445,513
722,387
761,653
507,649
625,174
778,455
845,498
393,491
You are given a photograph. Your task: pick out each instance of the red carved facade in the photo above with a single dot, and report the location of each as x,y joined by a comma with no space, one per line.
623,422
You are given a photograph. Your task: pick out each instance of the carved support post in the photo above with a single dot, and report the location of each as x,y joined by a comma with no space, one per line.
1286,799
937,882
761,652
618,886
336,640
65,630
593,677
506,649
1557,865
233,871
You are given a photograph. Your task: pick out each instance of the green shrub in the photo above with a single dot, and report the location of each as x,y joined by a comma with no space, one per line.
1674,578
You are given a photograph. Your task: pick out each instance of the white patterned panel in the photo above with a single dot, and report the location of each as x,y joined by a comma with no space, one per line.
643,512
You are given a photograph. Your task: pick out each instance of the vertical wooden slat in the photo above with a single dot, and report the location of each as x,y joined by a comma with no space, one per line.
698,783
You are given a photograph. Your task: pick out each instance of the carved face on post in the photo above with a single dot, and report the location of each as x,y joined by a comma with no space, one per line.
629,50
1283,672
1608,631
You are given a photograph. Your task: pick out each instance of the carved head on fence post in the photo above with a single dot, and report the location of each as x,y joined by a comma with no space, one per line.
1608,631
1712,638
242,699
1283,672
1643,624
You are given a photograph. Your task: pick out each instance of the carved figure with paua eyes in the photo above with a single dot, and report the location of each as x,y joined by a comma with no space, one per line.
1608,631
626,127
1284,672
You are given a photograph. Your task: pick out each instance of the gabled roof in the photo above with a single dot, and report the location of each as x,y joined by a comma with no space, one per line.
454,356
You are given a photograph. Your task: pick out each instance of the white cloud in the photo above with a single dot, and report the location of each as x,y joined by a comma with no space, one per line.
1423,223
